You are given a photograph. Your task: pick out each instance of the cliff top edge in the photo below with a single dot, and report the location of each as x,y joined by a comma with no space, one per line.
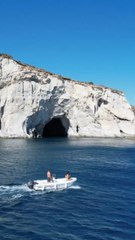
8,56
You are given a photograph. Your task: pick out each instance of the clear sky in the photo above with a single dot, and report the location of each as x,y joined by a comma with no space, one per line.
86,40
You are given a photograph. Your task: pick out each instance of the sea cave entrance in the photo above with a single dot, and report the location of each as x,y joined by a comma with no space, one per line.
54,128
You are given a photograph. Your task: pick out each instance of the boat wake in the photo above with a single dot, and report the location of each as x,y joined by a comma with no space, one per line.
11,193
14,191
75,187
13,187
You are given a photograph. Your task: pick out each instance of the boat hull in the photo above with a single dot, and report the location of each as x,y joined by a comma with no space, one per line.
56,184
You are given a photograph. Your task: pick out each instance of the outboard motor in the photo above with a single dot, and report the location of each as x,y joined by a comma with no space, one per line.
31,184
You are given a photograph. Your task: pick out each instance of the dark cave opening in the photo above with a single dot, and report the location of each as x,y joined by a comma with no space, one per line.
54,128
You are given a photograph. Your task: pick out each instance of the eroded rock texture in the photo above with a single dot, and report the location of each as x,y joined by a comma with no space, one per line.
37,103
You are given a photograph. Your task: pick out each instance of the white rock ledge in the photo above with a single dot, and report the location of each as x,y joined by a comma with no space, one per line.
36,103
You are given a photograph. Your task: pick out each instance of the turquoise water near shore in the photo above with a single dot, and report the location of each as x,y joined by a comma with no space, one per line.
100,206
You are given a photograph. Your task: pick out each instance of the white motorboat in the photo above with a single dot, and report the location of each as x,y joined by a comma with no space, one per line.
56,184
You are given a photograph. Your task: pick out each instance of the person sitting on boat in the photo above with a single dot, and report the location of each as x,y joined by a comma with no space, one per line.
49,176
67,176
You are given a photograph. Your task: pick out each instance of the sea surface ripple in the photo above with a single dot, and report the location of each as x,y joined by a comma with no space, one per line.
100,206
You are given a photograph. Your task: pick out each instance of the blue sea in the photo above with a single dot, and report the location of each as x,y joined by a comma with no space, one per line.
99,206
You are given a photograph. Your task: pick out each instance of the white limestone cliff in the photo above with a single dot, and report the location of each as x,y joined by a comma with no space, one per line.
34,102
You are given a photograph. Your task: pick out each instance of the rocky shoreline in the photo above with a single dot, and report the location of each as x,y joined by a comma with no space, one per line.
37,103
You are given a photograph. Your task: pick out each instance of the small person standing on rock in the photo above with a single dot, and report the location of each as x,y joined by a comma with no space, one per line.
77,128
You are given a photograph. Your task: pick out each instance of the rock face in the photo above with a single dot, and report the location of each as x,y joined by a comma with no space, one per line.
34,102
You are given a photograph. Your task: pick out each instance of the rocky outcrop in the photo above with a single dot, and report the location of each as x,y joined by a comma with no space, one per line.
34,102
